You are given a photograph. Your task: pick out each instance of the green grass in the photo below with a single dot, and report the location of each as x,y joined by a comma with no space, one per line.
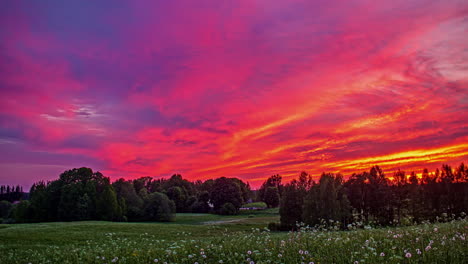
256,204
232,239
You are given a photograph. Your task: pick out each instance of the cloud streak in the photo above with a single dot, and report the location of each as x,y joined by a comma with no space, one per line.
244,89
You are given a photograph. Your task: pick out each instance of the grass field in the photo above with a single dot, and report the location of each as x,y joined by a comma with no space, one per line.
199,238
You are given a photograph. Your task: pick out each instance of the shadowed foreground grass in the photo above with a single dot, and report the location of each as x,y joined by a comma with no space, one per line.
198,238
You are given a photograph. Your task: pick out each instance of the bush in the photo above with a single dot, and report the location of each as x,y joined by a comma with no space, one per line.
273,226
228,209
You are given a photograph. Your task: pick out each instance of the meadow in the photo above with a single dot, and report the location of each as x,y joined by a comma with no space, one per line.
205,238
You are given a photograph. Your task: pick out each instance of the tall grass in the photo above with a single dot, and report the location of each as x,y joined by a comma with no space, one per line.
103,242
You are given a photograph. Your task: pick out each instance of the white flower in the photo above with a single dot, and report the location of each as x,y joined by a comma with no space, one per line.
249,252
418,251
156,260
408,255
382,254
436,229
428,248
279,255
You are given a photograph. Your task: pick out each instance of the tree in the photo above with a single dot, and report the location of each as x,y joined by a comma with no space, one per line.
68,209
201,205
21,212
177,195
272,181
225,190
271,197
5,208
291,206
158,207
133,202
327,201
107,207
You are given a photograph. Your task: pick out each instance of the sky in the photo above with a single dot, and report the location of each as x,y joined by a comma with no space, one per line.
245,88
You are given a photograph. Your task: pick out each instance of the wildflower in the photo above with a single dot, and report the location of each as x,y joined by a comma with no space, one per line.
249,252
356,262
306,252
156,260
408,255
436,229
279,255
115,259
382,254
251,262
418,251
220,261
428,248
301,252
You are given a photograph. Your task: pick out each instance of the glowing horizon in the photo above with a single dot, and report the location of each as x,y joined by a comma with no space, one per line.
245,89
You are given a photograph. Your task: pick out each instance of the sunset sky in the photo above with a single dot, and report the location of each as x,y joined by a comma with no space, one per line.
245,88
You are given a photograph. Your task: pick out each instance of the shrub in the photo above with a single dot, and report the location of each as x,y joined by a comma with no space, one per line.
228,209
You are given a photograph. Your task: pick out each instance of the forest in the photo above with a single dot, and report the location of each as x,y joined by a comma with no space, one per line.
366,198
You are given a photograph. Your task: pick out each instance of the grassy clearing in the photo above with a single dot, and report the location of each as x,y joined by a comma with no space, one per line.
191,240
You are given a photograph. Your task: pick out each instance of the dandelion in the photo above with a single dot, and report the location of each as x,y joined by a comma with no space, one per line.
408,255
382,254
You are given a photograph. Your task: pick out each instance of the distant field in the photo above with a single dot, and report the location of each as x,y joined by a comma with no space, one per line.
202,238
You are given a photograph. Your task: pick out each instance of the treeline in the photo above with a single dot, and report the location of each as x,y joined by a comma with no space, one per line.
11,193
371,198
81,194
